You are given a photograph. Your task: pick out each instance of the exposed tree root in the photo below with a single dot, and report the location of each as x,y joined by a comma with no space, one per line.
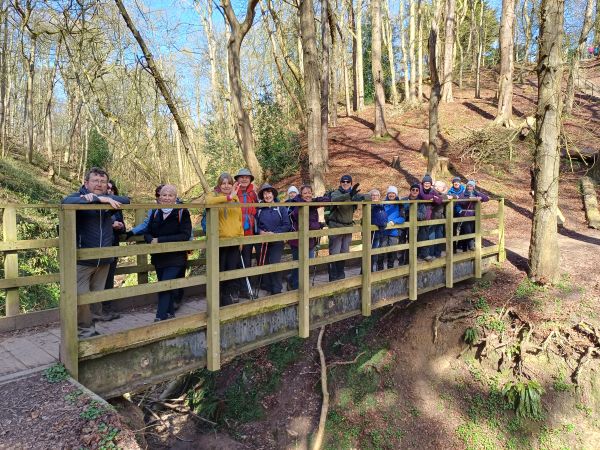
318,442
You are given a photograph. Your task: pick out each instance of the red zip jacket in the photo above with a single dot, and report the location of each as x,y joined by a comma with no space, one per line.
248,196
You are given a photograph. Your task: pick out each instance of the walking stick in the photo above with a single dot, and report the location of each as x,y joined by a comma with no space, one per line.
261,262
250,292
317,248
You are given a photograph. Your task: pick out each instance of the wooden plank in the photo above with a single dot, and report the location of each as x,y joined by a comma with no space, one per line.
262,305
256,270
389,249
502,249
138,249
142,289
213,331
257,239
338,257
335,231
29,281
141,260
68,293
134,337
449,245
462,237
431,242
412,252
26,244
11,260
367,241
303,274
478,240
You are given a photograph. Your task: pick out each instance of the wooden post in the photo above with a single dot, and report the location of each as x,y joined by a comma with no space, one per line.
213,327
449,246
69,341
501,248
478,239
11,260
412,252
366,260
142,277
303,274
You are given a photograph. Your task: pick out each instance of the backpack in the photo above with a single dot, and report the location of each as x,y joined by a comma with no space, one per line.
179,214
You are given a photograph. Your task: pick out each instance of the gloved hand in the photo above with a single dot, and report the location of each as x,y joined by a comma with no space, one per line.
355,190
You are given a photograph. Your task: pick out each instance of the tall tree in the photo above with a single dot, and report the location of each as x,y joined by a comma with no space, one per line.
479,52
434,97
243,127
505,82
317,163
448,52
585,30
405,69
388,40
380,127
357,54
412,15
4,94
543,250
325,71
420,52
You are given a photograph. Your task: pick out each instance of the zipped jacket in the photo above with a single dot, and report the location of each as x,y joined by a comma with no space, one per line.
313,219
248,213
395,214
175,228
274,219
93,228
467,209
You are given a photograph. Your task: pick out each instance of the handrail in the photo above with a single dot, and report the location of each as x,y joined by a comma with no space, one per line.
69,254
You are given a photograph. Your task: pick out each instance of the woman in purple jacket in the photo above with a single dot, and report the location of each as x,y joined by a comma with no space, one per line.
467,209
306,195
427,232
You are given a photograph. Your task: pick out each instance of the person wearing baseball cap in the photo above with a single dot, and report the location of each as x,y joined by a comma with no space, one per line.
341,216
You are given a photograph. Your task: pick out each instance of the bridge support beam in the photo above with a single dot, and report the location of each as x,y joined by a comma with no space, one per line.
213,332
366,260
303,274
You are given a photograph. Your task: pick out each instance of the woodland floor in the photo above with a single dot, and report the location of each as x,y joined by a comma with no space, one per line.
405,390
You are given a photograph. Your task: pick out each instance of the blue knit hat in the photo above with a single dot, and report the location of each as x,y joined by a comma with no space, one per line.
471,183
427,179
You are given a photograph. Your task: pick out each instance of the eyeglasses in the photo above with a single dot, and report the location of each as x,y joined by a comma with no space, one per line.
414,190
97,181
346,182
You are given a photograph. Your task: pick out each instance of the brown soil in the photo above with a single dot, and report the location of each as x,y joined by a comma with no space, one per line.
37,414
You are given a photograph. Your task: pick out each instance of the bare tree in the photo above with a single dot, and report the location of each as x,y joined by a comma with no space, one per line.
316,161
388,41
402,31
357,54
505,83
243,127
479,52
434,97
448,52
4,92
585,31
412,16
325,72
420,52
543,250
380,127
164,90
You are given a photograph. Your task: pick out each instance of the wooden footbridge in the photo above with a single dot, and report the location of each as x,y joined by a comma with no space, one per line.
133,352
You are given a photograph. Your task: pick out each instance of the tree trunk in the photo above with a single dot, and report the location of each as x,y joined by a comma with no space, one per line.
505,84
527,29
462,14
405,70
585,30
216,89
412,13
479,54
447,96
243,128
420,54
388,40
164,90
357,56
325,49
343,47
29,99
334,85
3,75
544,261
380,127
316,161
434,97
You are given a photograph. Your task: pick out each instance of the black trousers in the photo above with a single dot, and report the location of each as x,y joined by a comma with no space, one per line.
229,259
271,281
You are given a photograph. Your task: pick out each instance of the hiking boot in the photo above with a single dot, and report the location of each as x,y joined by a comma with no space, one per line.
459,250
87,332
429,258
443,254
471,246
106,316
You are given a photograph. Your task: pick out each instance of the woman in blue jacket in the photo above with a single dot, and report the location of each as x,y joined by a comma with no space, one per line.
395,216
270,220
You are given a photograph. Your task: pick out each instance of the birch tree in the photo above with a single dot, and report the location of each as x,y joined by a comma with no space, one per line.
434,97
447,96
380,127
505,83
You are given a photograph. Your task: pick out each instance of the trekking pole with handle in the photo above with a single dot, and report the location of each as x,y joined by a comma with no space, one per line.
261,262
250,292
317,248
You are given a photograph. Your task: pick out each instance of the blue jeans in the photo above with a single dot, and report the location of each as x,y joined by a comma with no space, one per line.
378,240
166,299
294,274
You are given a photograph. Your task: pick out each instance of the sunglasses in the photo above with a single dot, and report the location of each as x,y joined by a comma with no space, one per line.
414,189
346,182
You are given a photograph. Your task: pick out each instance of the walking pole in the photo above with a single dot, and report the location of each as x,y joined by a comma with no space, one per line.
317,248
261,262
247,280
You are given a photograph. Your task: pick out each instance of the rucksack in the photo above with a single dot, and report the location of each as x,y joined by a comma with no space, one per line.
179,213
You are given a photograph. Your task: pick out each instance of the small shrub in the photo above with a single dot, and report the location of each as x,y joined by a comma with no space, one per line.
481,304
560,384
471,336
525,398
93,411
56,373
527,288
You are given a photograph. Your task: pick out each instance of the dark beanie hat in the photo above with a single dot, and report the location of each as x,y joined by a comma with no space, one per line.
346,178
415,186
427,179
456,180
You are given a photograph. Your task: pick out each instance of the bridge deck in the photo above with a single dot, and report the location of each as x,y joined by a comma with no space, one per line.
32,349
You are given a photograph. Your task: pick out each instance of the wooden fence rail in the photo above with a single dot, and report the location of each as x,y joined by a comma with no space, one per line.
73,349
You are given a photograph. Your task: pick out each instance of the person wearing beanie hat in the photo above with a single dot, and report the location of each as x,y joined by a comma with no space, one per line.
395,214
292,192
341,216
270,220
457,189
427,232
246,194
379,218
413,194
467,209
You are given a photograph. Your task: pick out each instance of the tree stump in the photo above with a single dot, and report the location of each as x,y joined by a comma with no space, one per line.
590,202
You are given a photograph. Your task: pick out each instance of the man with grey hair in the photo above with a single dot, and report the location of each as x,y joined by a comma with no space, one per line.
93,229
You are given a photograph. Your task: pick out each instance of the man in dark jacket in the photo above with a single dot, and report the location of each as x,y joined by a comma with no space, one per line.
94,228
341,216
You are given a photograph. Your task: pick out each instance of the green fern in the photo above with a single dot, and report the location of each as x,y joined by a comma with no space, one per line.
525,397
471,336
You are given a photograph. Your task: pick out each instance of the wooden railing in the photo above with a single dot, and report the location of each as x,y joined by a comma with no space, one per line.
73,350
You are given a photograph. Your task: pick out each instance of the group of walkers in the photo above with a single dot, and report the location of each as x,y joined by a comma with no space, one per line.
101,228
